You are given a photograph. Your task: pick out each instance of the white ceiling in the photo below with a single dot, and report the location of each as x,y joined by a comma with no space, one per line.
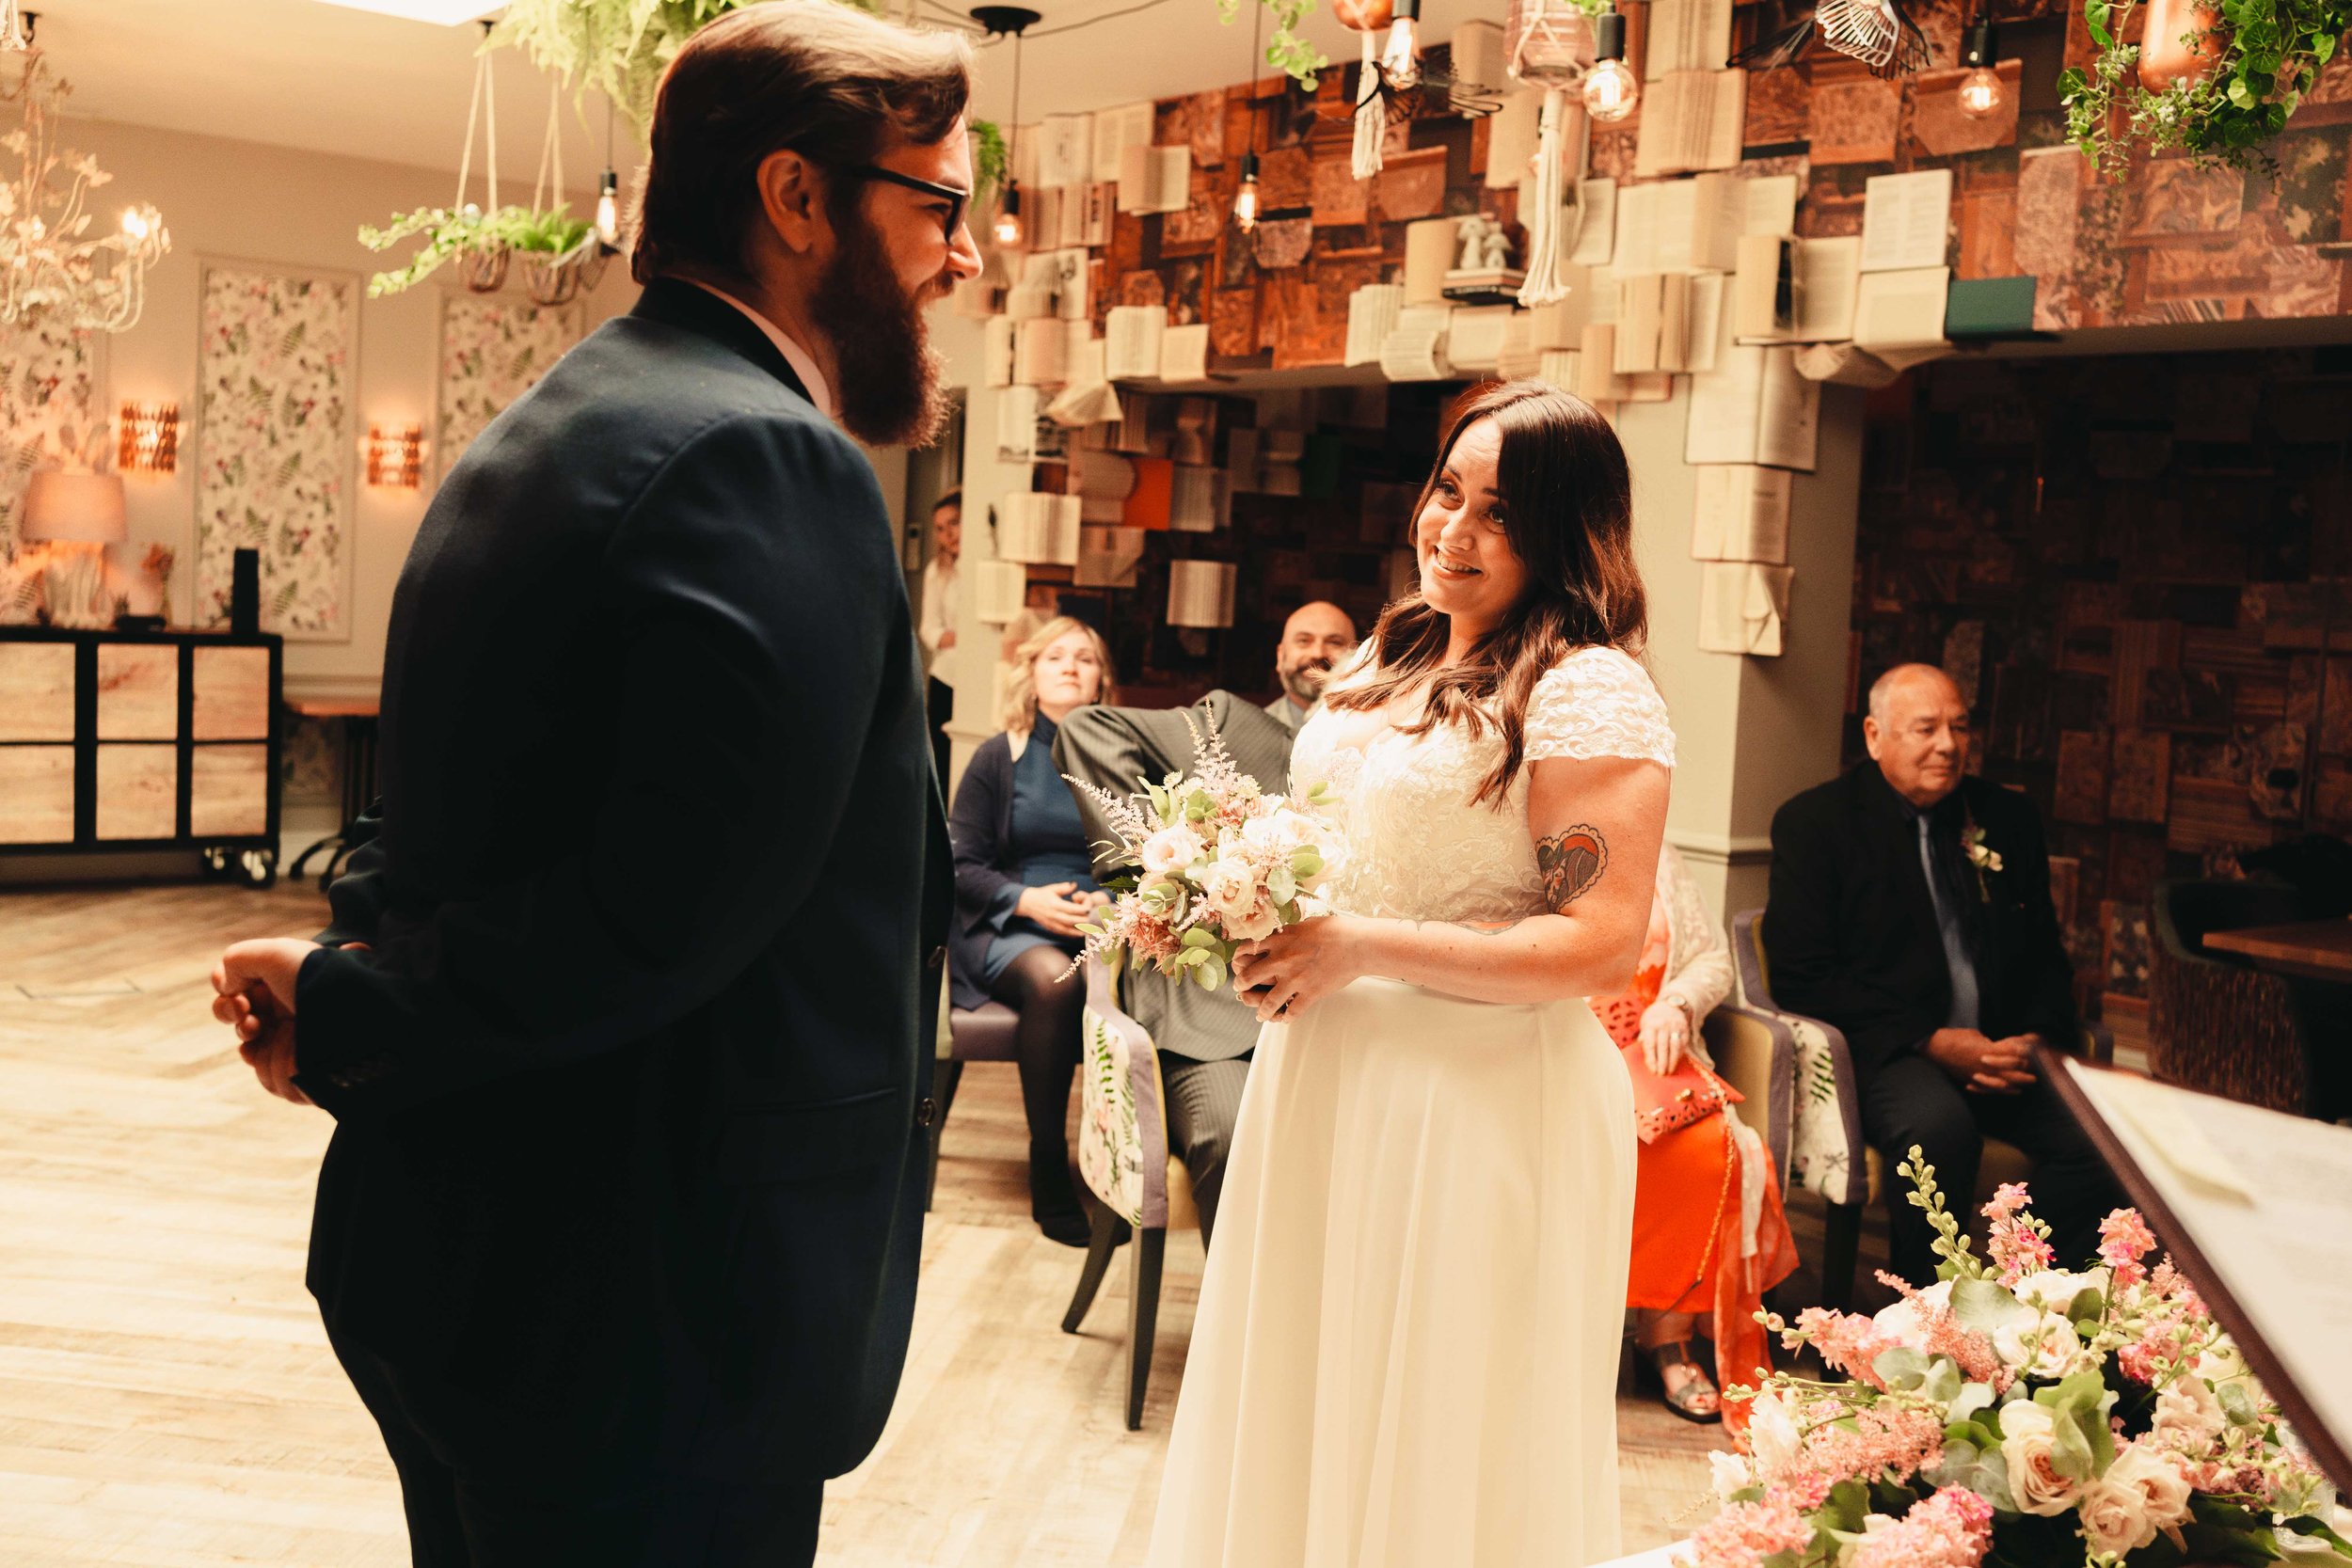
329,79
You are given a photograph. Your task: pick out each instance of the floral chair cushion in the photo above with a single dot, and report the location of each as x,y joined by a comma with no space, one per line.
1122,1131
1825,1146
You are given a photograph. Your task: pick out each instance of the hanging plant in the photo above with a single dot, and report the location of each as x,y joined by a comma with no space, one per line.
619,49
989,161
554,235
2254,59
1287,52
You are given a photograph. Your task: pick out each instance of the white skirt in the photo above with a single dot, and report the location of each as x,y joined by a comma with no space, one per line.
1406,1351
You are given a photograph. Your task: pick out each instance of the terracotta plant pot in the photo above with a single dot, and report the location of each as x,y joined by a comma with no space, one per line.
2163,58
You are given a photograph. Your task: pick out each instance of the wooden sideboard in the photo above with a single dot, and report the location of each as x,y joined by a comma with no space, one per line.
141,740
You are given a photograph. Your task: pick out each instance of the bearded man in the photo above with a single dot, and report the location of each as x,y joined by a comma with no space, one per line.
624,1013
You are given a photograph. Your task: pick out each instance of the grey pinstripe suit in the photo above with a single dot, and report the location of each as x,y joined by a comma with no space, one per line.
1204,1038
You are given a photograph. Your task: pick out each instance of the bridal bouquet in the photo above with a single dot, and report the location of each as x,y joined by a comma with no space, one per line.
1209,861
2020,1415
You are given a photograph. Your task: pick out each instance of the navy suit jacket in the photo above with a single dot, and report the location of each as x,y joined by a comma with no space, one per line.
625,1174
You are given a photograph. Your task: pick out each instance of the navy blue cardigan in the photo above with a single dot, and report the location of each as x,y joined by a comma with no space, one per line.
980,824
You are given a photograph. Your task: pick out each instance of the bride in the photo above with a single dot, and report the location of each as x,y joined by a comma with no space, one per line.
1406,1349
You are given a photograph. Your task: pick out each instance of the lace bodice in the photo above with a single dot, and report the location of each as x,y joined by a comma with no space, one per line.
1416,848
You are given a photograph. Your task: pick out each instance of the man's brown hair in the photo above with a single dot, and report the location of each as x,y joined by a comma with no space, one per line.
810,76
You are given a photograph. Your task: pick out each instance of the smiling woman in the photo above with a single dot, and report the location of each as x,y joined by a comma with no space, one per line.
1025,880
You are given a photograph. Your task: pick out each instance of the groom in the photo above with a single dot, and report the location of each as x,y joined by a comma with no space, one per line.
623,1016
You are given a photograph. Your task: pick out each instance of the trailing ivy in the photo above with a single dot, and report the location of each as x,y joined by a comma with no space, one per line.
553,233
1287,50
2268,54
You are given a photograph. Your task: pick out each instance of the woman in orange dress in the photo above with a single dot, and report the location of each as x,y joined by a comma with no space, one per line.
1708,1233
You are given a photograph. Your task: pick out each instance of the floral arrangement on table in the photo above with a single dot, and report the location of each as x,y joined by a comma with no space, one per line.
1210,862
2018,1416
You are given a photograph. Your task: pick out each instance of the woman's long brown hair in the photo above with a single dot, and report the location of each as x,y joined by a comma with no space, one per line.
1568,512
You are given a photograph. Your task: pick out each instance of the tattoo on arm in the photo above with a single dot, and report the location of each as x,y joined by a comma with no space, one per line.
1571,863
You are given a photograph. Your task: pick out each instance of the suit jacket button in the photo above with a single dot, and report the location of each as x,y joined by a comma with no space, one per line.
937,959
925,1112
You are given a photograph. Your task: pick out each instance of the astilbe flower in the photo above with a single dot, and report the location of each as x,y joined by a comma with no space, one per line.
1846,1341
1889,1440
1950,1529
1744,1534
2124,1238
2019,1244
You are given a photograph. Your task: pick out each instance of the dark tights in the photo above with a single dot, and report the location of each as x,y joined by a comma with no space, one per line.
1047,1044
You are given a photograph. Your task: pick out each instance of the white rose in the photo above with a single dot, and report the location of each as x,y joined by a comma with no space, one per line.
2028,1448
2055,1290
1230,888
2045,1348
2188,1412
1731,1473
1905,1324
1772,1433
1258,920
2144,1491
1171,850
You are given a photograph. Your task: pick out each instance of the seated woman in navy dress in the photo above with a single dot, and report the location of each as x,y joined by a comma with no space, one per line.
1024,879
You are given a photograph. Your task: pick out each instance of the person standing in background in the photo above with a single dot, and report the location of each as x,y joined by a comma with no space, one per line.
938,626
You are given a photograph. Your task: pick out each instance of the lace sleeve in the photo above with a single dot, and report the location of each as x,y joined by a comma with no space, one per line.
1597,703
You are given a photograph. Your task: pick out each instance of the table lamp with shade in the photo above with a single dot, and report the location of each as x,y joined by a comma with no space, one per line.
76,514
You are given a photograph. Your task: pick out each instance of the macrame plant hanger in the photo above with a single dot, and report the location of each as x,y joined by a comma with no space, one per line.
1550,45
484,267
555,279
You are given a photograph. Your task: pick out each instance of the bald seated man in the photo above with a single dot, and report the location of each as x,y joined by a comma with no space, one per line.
1941,970
1316,639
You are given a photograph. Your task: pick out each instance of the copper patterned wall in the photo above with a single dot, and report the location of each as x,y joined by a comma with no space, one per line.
2141,572
2169,244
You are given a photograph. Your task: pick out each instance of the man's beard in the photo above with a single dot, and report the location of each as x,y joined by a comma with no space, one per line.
887,376
1304,682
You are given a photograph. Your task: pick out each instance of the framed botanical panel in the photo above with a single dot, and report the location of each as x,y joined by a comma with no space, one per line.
493,349
276,443
52,397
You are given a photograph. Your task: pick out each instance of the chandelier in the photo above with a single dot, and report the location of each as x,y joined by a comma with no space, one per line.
51,266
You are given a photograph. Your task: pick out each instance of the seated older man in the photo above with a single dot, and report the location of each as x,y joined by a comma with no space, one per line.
1909,907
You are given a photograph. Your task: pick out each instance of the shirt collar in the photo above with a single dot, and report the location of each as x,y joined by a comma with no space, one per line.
819,389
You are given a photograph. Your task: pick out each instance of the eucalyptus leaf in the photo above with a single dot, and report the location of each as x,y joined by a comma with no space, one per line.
1985,1307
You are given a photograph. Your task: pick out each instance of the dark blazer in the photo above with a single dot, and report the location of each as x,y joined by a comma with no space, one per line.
624,1169
1851,932
1115,747
987,877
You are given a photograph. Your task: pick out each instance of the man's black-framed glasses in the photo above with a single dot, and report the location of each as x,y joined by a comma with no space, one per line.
956,200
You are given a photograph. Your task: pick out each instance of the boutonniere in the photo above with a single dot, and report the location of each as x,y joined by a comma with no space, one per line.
1981,855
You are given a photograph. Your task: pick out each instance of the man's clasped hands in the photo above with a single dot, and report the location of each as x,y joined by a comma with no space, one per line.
253,986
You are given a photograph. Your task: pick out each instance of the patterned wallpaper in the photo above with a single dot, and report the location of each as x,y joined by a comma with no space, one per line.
275,444
2141,572
49,395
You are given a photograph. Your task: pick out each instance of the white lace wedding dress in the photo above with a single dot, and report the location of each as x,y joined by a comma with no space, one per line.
1405,1351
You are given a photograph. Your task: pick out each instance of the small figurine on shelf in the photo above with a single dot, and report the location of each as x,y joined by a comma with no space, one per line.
1482,275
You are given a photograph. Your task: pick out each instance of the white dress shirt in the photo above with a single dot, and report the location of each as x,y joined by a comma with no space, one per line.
939,601
819,389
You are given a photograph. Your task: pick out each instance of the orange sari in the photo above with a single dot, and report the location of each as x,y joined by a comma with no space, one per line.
1689,1246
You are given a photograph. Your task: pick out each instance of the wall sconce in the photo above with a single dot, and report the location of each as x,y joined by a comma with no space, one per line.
396,456
151,438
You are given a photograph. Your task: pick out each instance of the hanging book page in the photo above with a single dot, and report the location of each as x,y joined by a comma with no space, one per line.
1904,220
493,350
275,444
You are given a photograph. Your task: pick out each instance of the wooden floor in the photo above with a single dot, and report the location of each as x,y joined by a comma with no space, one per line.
167,1395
